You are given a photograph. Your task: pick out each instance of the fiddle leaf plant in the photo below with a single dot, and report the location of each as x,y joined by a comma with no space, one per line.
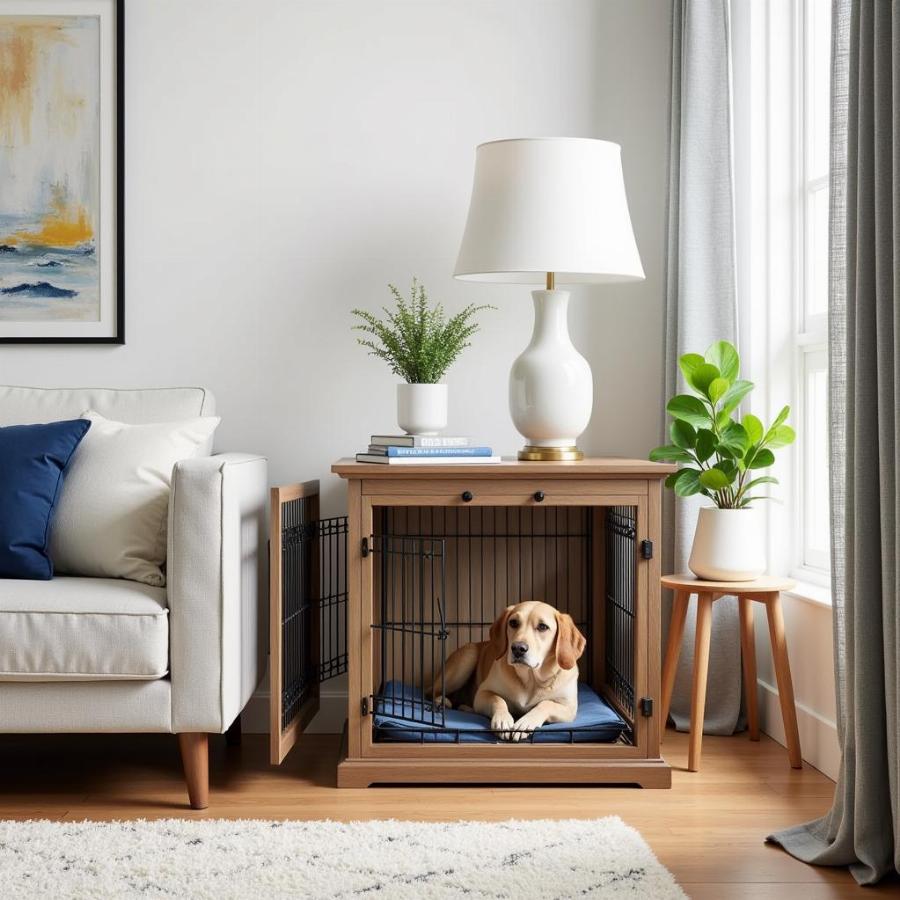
721,454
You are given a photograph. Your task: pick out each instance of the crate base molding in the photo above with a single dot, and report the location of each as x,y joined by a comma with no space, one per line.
361,773
423,564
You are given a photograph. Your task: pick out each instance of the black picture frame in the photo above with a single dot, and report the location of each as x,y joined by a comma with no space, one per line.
119,337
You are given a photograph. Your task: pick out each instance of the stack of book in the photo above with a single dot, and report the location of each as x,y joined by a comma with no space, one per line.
425,450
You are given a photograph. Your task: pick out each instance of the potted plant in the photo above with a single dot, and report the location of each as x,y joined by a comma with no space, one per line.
722,460
419,344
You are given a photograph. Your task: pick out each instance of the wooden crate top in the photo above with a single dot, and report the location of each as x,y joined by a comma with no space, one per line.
599,467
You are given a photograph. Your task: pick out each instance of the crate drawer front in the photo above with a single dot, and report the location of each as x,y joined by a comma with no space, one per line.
517,492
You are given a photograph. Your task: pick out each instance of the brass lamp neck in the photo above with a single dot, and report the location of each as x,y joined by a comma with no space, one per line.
551,281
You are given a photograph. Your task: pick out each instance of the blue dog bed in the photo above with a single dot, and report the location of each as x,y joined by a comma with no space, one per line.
596,722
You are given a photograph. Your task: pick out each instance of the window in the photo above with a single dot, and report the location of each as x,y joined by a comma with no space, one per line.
813,450
811,383
782,62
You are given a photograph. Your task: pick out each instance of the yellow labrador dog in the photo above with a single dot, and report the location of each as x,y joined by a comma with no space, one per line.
526,674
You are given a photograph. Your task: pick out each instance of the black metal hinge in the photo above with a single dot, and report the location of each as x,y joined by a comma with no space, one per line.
364,706
365,547
647,706
647,549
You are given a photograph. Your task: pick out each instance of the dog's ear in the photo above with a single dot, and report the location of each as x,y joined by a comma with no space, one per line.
570,641
498,636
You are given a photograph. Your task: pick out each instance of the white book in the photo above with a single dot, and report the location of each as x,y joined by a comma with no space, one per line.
428,460
418,440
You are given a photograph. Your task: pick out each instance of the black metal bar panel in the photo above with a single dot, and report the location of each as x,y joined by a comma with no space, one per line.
314,602
298,673
620,600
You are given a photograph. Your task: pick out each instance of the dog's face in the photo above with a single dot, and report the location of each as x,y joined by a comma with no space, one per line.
529,633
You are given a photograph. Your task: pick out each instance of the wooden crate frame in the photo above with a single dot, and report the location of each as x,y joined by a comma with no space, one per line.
594,483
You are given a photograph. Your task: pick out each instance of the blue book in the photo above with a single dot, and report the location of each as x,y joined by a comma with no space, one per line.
439,451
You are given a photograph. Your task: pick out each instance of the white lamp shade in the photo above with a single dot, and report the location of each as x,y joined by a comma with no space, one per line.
549,205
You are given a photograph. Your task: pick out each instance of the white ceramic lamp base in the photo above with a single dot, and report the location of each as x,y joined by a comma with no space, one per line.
551,390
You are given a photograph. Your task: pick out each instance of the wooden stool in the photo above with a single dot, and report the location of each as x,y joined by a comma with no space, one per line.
765,589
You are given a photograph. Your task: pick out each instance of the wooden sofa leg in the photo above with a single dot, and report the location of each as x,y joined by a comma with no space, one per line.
195,758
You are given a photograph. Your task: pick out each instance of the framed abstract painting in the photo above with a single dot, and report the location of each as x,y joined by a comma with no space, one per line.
62,174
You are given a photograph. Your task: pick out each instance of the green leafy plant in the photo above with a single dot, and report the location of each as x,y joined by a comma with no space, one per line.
416,339
721,454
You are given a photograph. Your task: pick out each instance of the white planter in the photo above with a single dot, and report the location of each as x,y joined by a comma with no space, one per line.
551,390
422,408
728,545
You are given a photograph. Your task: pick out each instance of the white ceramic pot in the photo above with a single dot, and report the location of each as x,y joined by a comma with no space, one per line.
422,408
728,545
551,390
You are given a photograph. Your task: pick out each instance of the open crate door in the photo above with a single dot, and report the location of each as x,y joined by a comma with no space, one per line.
308,610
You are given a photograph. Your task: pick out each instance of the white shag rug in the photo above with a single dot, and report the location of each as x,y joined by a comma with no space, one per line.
221,859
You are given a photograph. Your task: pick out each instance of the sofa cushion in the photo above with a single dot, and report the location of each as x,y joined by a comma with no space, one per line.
25,405
139,406
33,462
113,511
82,629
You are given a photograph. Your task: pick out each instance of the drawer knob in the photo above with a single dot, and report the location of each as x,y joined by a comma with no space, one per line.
538,496
468,496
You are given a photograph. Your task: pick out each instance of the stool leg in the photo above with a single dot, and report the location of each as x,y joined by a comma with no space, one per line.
673,651
748,655
701,667
783,677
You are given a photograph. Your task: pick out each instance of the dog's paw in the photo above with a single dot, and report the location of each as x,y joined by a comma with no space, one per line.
524,727
442,702
502,724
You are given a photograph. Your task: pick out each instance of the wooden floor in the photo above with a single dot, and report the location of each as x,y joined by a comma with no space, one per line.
708,829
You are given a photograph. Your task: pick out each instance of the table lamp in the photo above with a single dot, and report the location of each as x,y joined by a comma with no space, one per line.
554,211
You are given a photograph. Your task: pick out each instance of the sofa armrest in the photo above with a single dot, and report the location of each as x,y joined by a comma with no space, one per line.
216,575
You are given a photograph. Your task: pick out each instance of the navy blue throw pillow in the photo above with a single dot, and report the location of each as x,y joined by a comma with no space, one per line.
33,462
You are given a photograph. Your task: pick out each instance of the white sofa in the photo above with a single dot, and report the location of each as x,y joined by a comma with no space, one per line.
108,655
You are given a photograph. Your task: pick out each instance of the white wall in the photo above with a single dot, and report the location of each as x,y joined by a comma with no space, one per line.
287,158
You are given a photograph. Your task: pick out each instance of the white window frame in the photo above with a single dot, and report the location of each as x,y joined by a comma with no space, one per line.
773,207
811,339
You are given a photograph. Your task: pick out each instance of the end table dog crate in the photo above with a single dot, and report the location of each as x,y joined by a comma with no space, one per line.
423,563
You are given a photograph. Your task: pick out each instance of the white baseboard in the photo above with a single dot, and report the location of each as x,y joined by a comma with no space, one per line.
330,719
818,735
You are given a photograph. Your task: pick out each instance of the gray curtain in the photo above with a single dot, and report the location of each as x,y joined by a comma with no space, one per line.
862,829
701,303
